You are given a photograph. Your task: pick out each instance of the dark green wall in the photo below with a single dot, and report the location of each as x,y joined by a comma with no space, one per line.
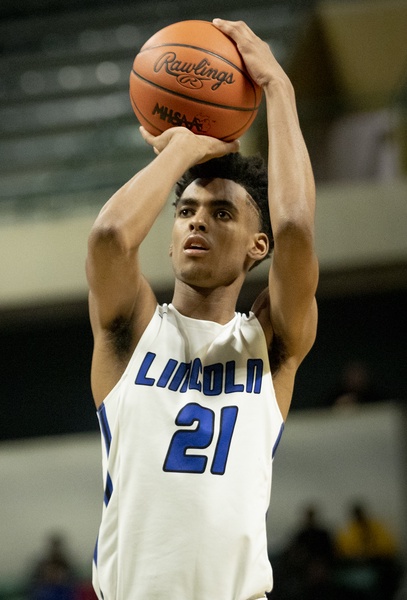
45,363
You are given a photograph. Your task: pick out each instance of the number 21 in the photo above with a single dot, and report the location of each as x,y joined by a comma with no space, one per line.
201,437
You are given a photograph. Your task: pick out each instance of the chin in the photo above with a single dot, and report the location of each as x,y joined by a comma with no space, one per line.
194,277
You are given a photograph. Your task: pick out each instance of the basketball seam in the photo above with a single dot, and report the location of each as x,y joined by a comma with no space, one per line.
143,115
197,100
136,108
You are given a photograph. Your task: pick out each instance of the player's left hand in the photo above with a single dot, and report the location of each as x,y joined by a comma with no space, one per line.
256,53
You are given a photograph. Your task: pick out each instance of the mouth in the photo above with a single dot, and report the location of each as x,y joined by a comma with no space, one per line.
196,246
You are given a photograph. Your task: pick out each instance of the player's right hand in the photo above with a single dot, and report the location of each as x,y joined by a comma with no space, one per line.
200,147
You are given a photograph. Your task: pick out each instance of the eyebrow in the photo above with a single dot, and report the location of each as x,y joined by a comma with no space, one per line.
220,202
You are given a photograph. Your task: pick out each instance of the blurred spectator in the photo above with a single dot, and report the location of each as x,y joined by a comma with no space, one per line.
53,576
369,553
365,537
305,568
313,538
356,386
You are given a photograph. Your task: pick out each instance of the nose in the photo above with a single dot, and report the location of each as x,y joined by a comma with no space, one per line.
198,222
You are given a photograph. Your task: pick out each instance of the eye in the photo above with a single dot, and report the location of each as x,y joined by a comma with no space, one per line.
222,214
184,212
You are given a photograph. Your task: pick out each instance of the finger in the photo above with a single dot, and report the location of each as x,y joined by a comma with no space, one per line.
234,146
147,136
231,28
223,25
226,148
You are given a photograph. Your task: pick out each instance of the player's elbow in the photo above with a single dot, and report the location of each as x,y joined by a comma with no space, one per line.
106,237
298,232
103,234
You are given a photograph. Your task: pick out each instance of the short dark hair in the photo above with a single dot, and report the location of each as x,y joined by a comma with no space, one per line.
248,171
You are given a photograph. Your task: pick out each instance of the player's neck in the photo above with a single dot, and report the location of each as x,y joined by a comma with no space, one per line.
216,305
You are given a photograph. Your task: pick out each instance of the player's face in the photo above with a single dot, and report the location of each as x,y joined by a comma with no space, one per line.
216,235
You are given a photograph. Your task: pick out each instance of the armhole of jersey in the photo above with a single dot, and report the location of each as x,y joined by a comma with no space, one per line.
150,331
253,317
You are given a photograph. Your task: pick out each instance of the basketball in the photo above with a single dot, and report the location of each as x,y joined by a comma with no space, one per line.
191,74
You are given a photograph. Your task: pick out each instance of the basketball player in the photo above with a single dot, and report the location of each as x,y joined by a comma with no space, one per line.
190,409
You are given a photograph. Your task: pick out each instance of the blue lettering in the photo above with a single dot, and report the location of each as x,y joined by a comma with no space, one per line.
141,378
213,379
181,373
196,370
254,375
230,385
166,374
210,380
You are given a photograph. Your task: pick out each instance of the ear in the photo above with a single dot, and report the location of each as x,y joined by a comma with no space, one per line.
260,247
170,250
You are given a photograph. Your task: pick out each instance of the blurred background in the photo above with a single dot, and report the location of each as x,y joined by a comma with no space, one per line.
68,140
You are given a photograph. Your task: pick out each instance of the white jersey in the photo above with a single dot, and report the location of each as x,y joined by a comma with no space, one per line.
188,436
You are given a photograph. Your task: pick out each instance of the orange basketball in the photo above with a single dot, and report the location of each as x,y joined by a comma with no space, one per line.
191,74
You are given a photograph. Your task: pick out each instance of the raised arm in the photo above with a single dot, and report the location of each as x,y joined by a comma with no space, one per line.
121,302
288,312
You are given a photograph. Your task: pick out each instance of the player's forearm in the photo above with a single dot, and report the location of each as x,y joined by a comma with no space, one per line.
133,209
292,187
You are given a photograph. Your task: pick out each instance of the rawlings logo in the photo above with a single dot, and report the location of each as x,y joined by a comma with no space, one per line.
192,75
